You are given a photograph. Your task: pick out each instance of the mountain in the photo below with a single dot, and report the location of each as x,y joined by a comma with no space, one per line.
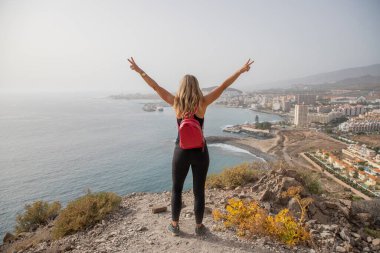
208,89
368,74
366,82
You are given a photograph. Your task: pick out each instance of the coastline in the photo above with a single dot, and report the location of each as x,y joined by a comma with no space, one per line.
255,146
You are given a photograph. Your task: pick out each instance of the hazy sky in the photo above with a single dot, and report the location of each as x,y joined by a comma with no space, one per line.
83,45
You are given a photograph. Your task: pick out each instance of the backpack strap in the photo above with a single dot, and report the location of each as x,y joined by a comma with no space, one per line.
191,114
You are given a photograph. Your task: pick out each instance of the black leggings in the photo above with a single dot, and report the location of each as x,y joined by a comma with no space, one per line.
199,161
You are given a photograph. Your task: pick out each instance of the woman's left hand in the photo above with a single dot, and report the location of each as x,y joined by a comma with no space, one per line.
246,66
134,66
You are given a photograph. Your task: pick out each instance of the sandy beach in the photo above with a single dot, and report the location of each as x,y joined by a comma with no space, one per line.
253,145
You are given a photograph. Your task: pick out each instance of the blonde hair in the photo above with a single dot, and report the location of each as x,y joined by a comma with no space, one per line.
188,96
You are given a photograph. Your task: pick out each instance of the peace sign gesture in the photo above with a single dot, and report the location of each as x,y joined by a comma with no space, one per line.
246,66
134,66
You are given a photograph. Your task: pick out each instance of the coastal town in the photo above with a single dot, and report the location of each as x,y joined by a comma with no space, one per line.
351,117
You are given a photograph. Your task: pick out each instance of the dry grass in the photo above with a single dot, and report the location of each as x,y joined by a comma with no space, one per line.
84,212
42,235
36,214
238,175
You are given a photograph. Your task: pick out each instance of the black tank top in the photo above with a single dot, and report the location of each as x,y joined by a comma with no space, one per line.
200,120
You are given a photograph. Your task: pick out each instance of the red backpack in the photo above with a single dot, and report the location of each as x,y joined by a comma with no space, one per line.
190,132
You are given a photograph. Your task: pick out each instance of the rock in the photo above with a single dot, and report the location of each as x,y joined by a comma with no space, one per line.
266,205
364,217
9,237
291,173
344,234
142,228
340,249
369,239
288,182
345,202
294,207
370,207
266,195
159,209
355,235
208,210
331,205
376,242
366,249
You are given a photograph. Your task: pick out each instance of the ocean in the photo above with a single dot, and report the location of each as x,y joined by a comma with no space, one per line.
56,146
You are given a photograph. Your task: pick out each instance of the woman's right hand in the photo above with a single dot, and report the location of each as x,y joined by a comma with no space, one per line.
246,66
134,66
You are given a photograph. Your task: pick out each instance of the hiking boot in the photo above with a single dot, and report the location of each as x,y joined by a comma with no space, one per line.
200,230
173,230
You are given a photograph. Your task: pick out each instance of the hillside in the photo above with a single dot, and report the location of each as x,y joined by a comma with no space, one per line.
208,89
336,225
361,75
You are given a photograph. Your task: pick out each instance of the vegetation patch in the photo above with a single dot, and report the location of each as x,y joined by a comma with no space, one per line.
36,214
84,212
312,182
238,175
249,220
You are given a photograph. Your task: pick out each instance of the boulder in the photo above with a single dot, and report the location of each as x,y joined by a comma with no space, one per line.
366,212
8,238
266,195
288,182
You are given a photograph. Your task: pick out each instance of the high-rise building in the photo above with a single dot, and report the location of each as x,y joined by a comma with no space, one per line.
306,99
300,115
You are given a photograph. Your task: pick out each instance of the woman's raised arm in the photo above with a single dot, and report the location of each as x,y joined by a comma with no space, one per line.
215,93
164,94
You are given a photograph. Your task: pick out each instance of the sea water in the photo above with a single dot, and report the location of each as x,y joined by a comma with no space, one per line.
56,146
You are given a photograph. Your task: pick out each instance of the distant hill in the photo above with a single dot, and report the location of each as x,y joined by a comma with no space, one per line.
367,82
213,87
350,76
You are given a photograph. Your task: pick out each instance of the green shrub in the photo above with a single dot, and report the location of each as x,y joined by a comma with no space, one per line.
36,214
84,212
238,175
311,182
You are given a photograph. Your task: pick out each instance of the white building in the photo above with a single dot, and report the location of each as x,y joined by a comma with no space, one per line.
300,115
323,118
352,110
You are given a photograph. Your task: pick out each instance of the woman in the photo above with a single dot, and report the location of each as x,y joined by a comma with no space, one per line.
189,99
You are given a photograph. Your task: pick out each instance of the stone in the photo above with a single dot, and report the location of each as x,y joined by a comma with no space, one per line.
142,228
340,249
9,237
369,239
208,210
266,195
356,235
376,242
331,205
364,217
371,207
294,207
288,182
344,234
325,234
159,209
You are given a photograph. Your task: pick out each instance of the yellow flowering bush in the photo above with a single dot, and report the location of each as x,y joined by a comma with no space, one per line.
249,219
